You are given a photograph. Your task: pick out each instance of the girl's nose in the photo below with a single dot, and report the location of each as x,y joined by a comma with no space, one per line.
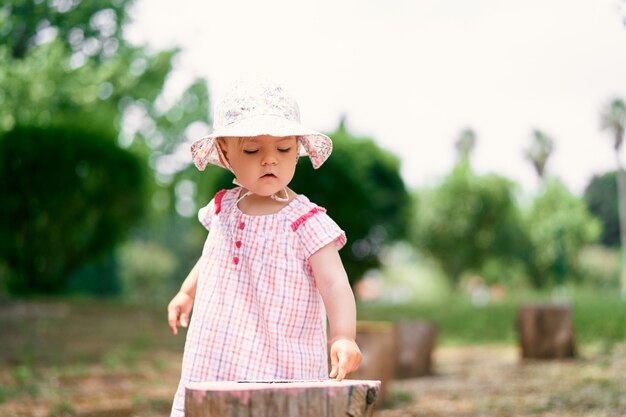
269,159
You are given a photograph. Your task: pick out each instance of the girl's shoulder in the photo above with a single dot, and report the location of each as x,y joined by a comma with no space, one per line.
225,199
313,225
301,209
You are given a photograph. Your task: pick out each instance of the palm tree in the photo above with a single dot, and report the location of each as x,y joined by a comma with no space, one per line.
613,119
539,152
466,143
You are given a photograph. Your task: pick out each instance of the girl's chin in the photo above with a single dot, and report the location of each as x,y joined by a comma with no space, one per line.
268,193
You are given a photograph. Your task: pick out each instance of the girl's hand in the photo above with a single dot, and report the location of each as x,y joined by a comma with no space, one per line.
178,311
345,357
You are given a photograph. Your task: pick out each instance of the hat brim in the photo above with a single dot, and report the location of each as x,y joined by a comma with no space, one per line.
313,144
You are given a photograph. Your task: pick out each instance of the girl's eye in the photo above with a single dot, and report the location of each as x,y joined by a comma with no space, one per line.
284,150
250,151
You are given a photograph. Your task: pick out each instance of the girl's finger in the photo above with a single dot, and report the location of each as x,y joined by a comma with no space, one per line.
172,319
184,320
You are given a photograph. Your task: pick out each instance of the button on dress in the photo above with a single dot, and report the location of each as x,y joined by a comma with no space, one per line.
257,313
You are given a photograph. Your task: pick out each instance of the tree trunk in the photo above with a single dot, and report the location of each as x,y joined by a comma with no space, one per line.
376,341
546,331
621,208
326,398
414,343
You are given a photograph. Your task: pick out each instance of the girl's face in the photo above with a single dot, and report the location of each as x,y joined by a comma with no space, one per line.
262,164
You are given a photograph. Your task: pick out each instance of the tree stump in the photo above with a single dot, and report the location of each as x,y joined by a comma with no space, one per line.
376,341
326,398
546,331
414,345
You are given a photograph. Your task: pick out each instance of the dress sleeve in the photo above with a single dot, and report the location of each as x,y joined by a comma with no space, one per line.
316,230
206,213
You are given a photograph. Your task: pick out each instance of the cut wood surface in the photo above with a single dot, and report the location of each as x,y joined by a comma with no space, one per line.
324,398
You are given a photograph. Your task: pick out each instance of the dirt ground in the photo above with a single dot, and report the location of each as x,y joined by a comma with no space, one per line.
87,359
475,381
490,381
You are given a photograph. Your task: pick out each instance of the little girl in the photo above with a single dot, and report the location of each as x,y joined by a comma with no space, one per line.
270,271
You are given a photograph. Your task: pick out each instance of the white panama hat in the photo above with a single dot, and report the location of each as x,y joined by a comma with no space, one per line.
253,108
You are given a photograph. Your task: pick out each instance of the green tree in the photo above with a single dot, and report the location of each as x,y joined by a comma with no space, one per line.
613,119
466,220
69,195
539,152
88,27
66,61
559,226
466,143
361,187
601,198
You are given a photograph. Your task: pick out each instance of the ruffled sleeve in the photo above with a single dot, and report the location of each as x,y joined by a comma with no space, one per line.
316,229
206,213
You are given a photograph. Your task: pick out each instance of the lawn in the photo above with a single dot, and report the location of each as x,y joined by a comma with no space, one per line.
599,317
85,357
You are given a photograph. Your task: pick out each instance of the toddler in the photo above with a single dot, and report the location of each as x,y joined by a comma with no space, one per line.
270,273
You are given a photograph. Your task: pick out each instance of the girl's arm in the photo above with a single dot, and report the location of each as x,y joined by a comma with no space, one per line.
179,308
332,283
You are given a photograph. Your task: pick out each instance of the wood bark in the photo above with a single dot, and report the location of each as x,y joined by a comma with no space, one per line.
546,331
324,398
620,177
377,344
414,345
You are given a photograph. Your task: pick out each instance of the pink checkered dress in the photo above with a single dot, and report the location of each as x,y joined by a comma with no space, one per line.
257,313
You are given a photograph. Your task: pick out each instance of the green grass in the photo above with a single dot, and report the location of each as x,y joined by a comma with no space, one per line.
62,354
599,317
54,350
74,332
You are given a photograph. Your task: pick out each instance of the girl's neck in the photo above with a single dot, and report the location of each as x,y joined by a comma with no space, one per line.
257,205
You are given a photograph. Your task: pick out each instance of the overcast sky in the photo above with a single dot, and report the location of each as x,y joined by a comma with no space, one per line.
413,73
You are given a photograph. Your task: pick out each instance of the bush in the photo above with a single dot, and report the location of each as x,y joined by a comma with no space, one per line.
147,270
69,194
600,267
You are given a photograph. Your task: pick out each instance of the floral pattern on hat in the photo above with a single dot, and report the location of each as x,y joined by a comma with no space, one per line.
253,108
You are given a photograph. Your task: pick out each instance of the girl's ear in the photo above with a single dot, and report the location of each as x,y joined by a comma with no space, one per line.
222,151
221,142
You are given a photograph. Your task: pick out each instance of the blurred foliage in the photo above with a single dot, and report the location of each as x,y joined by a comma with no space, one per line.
359,185
146,268
510,270
599,316
613,119
559,226
465,143
539,152
601,198
69,194
600,267
466,220
76,65
88,27
66,61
